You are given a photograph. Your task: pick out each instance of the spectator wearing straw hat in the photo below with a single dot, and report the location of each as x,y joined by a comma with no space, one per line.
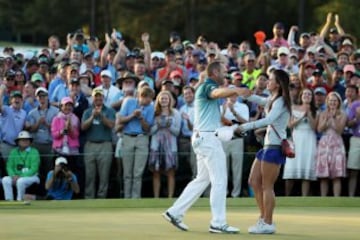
22,167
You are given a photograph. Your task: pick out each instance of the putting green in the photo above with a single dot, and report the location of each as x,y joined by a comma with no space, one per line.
296,218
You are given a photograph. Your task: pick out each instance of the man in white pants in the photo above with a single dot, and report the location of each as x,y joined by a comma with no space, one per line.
22,167
211,160
234,112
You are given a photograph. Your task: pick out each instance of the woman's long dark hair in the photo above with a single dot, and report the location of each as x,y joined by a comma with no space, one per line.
282,78
312,103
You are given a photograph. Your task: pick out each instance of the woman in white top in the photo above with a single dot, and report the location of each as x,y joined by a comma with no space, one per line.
303,124
266,166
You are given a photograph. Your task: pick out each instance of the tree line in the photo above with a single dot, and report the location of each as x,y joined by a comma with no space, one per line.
32,21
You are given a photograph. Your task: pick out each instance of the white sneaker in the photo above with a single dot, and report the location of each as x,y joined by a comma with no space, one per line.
262,228
224,229
175,221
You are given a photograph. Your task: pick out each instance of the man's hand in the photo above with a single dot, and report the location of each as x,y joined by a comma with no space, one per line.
244,92
96,111
329,17
337,20
137,113
145,37
107,38
42,120
57,169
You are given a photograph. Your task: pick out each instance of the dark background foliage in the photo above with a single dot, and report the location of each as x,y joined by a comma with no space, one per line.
32,21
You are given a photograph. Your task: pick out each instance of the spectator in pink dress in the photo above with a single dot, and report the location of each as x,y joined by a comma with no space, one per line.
330,156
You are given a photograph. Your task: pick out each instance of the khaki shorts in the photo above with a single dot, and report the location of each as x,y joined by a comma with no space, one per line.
354,154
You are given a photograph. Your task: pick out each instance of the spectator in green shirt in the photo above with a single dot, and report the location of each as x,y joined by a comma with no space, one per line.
22,167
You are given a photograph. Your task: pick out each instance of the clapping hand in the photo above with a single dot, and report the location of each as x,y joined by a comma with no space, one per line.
96,111
185,116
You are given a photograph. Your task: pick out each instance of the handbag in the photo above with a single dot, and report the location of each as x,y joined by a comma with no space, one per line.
287,146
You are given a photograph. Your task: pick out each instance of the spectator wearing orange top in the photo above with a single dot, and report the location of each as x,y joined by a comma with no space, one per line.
164,73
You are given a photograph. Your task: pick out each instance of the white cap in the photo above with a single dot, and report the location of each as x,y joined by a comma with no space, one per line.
283,50
60,160
106,73
347,42
41,89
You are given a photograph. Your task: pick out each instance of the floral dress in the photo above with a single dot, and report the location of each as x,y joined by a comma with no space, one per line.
163,145
330,156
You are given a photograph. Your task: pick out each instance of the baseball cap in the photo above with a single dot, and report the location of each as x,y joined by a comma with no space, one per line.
74,81
283,51
305,35
60,160
234,45
63,64
333,30
175,73
196,53
317,72
143,83
321,90
84,75
131,54
194,79
236,75
155,55
37,77
15,94
349,68
97,91
347,42
293,55
66,100
106,73
169,51
41,90
188,44
10,73
74,67
210,51
311,50
166,81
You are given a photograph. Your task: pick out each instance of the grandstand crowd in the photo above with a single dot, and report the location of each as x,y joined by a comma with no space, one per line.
73,118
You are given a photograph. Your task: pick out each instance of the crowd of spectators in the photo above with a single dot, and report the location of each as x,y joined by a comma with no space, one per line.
95,102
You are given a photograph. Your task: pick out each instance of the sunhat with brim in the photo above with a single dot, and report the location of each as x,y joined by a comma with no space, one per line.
24,135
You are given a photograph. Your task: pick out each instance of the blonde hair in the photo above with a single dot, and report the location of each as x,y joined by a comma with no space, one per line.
157,102
338,110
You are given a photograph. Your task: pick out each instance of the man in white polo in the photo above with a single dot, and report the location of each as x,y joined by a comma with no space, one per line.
108,89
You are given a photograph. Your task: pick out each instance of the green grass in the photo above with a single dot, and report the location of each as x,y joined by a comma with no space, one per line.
296,218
